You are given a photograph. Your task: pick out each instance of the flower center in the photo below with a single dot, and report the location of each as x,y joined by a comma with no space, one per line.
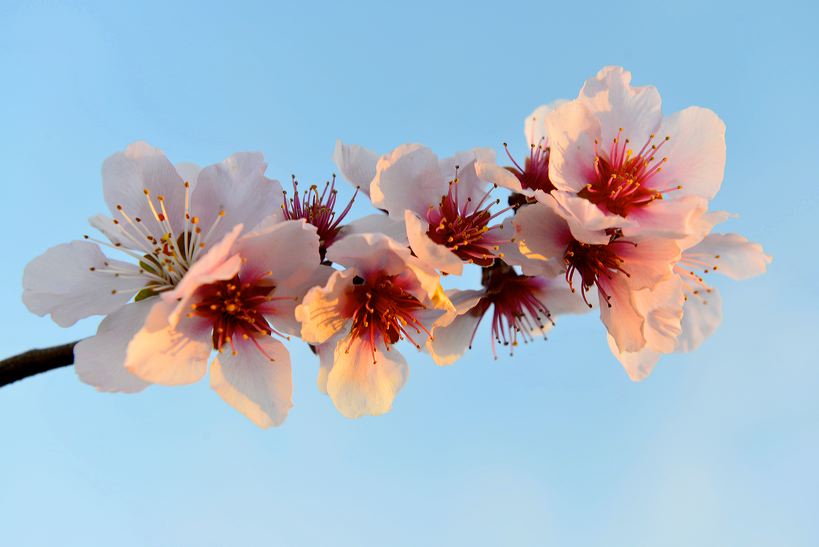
594,264
383,311
318,210
517,311
623,180
464,227
534,175
235,308
164,256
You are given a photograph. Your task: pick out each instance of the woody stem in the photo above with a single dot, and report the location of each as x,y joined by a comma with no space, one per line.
35,361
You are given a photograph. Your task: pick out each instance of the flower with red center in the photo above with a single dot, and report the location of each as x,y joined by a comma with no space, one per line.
616,265
523,307
165,220
445,204
384,295
318,209
533,176
698,303
613,147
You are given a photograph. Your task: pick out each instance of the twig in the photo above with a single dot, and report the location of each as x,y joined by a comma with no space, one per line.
35,361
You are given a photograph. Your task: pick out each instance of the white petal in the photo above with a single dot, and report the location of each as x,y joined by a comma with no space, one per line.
638,364
621,318
731,255
62,283
259,385
662,308
356,164
496,174
238,187
125,177
534,127
587,221
282,313
572,129
696,152
701,316
409,177
100,360
649,261
452,337
288,250
160,354
674,218
320,313
378,253
431,253
378,223
542,235
359,387
616,104
189,172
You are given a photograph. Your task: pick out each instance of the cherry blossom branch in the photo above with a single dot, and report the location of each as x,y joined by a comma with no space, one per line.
35,361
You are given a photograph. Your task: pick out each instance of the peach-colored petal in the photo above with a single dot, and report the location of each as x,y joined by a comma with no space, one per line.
356,164
621,318
359,387
320,313
256,381
432,254
731,255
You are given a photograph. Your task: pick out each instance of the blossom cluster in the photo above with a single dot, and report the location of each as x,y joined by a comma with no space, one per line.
609,208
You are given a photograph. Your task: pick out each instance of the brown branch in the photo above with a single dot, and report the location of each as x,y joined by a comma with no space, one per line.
35,361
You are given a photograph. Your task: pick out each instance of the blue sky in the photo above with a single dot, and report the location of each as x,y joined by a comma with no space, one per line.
554,446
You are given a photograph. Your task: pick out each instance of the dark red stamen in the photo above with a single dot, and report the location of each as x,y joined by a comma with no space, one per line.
622,180
534,175
235,309
517,311
318,210
464,227
382,311
594,262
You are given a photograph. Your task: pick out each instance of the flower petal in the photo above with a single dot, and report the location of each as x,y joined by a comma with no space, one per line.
701,316
453,335
572,129
127,175
409,177
160,354
731,255
673,218
534,127
696,152
638,364
378,223
621,318
662,308
494,173
434,255
257,384
542,235
588,223
320,311
100,360
238,187
610,97
359,387
67,282
356,164
649,261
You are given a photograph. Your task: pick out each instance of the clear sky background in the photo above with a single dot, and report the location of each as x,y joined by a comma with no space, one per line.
552,447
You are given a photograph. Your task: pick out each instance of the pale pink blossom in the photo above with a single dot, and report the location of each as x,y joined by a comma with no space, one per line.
383,296
615,265
522,308
700,307
613,147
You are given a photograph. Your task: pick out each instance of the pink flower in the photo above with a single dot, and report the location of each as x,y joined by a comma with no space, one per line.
616,265
183,235
383,296
613,147
523,307
700,304
533,175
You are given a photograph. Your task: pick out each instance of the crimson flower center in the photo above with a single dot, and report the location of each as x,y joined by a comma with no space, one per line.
534,175
318,209
383,311
517,310
234,309
463,226
595,264
624,180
